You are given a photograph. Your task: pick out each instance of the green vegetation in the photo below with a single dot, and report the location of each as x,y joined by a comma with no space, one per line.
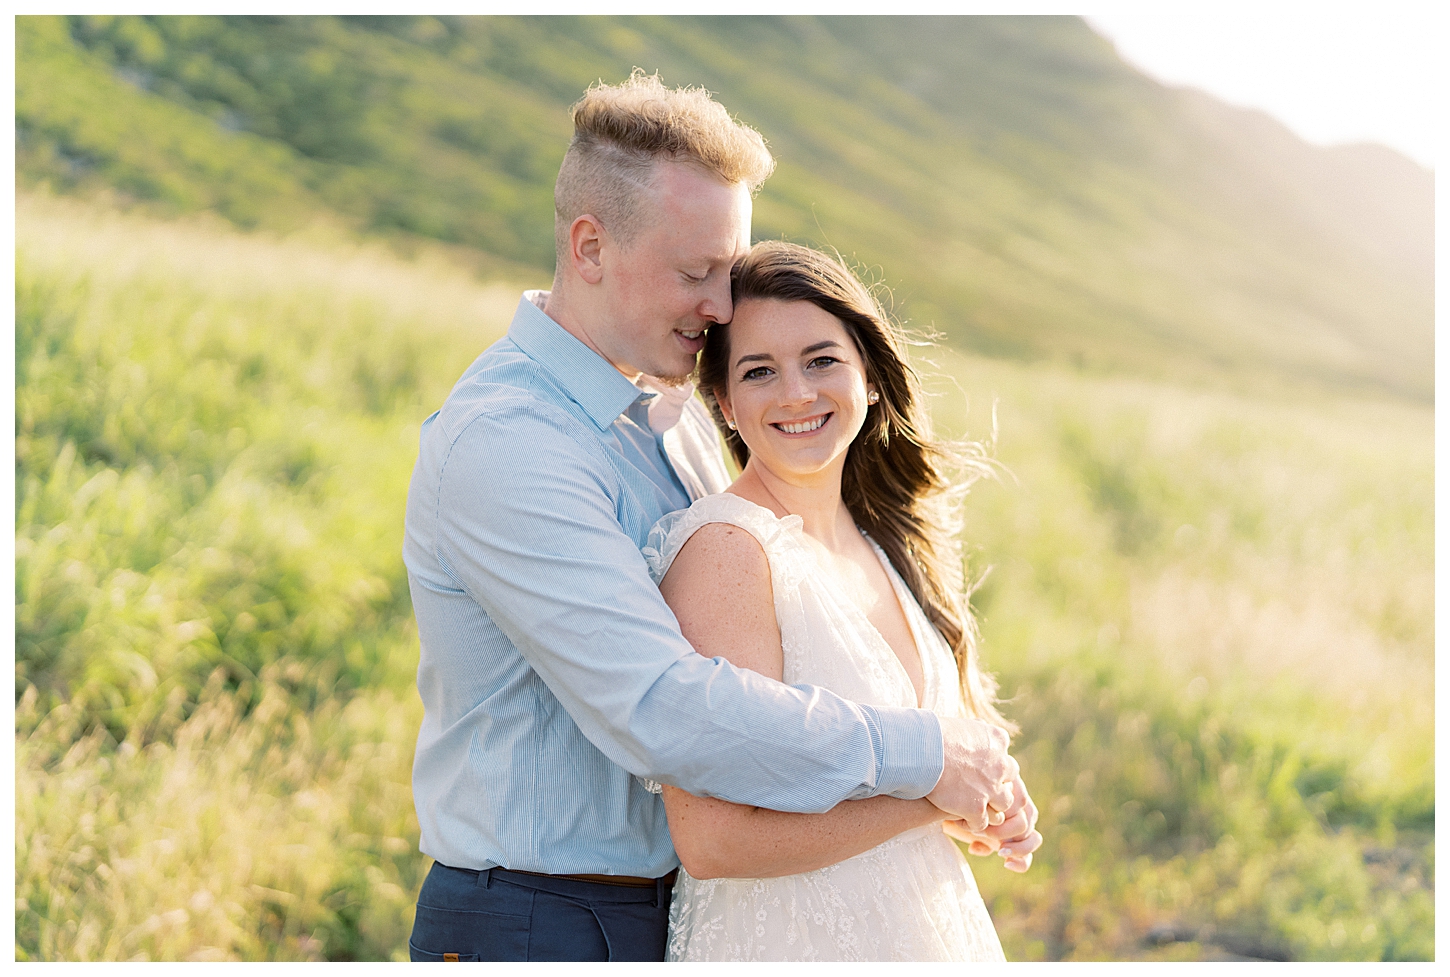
1213,614
1027,192
254,252
214,642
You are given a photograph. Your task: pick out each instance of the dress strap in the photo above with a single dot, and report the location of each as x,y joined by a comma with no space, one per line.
670,534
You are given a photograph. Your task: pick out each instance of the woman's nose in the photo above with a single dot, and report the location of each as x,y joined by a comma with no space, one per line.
796,388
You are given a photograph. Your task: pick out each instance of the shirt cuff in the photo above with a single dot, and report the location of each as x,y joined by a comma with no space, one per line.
908,750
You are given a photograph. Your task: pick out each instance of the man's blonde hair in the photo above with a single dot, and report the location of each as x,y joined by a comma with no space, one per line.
621,131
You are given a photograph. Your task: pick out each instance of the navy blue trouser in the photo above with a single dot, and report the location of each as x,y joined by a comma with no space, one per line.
495,914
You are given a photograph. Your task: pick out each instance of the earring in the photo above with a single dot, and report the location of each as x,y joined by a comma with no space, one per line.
730,425
872,397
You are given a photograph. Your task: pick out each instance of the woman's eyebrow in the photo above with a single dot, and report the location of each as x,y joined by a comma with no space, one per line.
812,348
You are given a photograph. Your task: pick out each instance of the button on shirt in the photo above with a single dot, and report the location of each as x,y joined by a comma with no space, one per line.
551,670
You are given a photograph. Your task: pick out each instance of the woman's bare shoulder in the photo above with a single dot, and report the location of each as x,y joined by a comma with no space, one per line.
719,588
725,547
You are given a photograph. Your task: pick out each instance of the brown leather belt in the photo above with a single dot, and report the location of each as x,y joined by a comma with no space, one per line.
631,881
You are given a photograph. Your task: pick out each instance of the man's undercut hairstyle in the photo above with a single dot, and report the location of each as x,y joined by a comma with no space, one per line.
621,131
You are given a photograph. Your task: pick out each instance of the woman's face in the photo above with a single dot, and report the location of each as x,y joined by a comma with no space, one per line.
796,386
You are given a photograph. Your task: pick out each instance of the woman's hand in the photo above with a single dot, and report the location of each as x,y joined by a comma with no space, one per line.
1016,838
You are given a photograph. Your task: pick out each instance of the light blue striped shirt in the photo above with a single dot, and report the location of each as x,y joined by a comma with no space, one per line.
551,670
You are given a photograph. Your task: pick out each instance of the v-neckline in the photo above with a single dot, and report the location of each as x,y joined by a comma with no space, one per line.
897,587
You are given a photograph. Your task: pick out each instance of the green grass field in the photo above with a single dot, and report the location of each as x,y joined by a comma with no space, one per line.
1213,614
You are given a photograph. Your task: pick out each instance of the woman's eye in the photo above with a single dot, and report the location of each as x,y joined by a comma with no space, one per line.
821,362
755,373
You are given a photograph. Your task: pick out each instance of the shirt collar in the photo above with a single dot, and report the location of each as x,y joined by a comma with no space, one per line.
588,378
667,402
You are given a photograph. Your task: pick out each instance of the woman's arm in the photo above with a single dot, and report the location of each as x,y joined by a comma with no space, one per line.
716,839
719,588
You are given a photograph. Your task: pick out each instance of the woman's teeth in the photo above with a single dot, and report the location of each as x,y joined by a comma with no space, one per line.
803,426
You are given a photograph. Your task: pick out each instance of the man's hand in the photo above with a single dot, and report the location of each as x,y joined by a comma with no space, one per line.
978,774
1016,837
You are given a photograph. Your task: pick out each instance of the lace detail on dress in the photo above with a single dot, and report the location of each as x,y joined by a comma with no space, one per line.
911,898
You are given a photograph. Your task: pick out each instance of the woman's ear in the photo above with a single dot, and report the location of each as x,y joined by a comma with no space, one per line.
726,410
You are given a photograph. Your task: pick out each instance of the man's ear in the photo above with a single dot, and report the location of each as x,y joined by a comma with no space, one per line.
586,241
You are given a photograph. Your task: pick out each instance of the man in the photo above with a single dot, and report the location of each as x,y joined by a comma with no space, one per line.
552,673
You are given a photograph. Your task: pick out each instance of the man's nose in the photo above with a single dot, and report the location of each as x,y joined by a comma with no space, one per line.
717,306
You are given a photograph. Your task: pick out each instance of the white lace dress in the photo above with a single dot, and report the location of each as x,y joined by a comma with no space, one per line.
910,898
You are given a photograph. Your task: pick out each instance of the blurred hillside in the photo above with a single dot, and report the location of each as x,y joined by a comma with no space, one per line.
1025,192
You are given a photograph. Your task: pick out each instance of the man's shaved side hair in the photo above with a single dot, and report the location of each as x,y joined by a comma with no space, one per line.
621,131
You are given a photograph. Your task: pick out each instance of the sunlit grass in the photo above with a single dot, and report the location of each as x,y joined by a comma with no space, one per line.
1260,546
1251,582
214,642
1212,614
285,834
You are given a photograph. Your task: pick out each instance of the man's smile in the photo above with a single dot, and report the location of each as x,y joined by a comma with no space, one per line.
692,339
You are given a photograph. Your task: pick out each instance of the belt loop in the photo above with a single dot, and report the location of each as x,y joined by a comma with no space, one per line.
659,892
485,878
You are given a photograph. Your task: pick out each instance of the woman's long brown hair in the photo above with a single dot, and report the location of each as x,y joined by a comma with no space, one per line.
899,484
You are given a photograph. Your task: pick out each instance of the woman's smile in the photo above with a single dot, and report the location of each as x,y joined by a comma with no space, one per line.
806,426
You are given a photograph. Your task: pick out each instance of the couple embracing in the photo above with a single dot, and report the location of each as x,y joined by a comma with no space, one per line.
667,715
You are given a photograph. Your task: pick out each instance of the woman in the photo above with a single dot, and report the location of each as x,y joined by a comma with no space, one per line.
828,562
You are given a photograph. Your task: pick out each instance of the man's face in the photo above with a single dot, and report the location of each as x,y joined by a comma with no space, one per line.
672,280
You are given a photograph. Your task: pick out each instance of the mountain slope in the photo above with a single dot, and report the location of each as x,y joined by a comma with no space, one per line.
1022,190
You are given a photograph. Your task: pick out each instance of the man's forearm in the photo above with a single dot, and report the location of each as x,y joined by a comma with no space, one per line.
800,750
